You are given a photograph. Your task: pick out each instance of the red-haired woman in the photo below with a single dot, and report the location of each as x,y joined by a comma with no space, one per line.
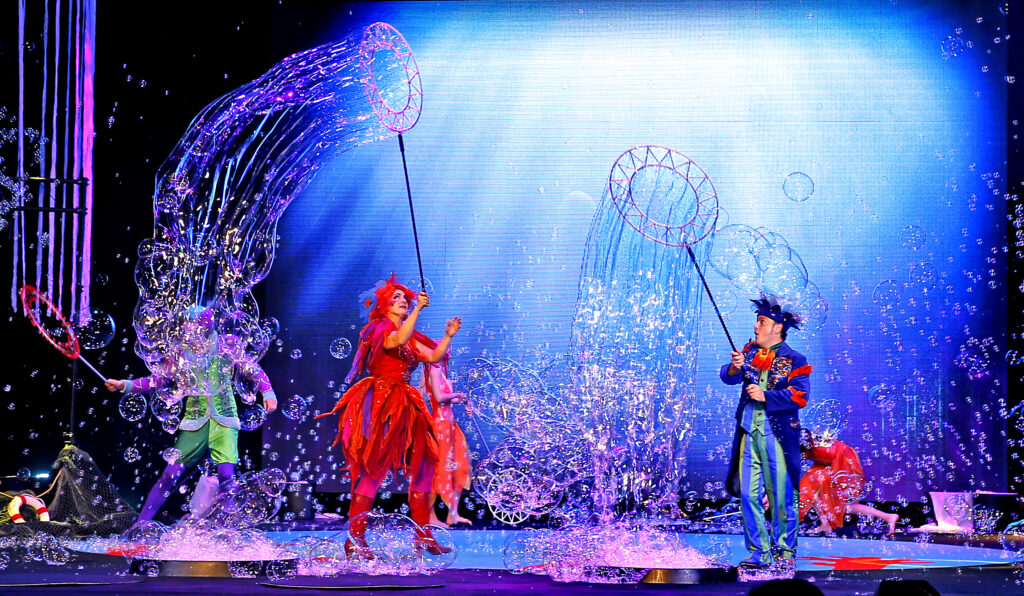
385,425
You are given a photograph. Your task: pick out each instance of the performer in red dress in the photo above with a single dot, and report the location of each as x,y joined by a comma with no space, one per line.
384,423
451,476
834,484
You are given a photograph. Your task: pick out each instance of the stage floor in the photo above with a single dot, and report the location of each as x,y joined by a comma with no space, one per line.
482,549
837,566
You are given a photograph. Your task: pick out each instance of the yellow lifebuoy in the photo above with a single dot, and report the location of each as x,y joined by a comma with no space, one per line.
14,508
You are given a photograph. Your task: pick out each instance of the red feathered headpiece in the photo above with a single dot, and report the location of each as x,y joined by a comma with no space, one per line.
380,303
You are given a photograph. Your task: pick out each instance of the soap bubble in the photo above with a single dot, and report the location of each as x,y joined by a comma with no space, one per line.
882,397
171,454
171,425
825,418
131,454
798,187
251,416
341,348
281,570
95,329
246,386
296,354
887,294
164,410
295,406
913,237
132,407
923,274
847,486
952,46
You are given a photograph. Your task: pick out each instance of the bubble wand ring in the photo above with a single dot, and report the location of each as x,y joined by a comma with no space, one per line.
620,188
380,37
620,183
31,300
685,235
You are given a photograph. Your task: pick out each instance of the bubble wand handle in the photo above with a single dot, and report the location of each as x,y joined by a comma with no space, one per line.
412,214
693,259
92,368
714,304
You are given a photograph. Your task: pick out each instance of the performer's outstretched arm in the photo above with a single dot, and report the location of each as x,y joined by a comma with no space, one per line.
442,387
142,385
408,326
438,353
256,373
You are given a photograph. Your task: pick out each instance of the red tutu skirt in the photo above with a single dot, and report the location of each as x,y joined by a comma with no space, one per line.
384,426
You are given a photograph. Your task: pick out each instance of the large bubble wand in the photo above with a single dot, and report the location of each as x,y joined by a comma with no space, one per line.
399,118
58,333
676,236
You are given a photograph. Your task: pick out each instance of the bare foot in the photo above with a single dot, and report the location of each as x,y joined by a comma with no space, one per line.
458,519
891,519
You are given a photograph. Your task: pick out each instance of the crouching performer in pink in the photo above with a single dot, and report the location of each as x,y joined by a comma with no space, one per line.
210,420
384,423
452,475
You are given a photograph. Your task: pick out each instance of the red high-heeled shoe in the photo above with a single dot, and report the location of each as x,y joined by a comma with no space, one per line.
426,541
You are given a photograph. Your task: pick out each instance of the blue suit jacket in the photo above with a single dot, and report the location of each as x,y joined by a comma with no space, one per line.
789,386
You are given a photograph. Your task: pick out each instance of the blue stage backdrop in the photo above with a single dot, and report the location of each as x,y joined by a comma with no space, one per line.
870,136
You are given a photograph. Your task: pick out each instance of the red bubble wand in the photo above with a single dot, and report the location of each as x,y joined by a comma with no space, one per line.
62,335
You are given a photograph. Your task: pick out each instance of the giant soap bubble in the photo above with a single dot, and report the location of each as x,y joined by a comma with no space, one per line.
222,189
759,261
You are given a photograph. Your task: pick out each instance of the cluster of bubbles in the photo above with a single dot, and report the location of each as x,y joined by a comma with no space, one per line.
524,477
189,540
340,348
613,553
758,261
391,537
222,190
541,454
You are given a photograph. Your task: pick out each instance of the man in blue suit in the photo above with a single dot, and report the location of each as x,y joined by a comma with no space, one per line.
766,446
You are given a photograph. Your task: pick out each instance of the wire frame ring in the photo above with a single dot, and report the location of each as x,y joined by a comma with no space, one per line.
620,182
381,37
31,299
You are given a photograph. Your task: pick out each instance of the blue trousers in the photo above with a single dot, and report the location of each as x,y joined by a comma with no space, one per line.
762,463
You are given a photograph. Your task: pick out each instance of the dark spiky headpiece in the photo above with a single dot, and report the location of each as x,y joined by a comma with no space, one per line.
770,306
